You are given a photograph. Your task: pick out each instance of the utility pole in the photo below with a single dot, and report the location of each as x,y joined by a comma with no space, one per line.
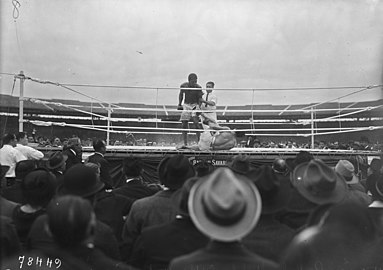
21,101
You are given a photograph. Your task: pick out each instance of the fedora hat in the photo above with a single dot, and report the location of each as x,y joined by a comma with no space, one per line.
175,170
318,183
346,169
224,206
24,167
56,160
80,180
240,164
275,194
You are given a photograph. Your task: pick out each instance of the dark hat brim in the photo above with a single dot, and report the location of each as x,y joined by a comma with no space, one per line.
62,190
65,157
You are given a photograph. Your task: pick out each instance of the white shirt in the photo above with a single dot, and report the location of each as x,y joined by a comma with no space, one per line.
205,107
211,97
29,152
9,156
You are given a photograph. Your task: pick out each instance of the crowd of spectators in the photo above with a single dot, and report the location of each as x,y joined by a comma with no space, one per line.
293,214
249,142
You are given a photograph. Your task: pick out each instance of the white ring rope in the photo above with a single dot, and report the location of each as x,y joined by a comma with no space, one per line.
308,109
218,110
343,130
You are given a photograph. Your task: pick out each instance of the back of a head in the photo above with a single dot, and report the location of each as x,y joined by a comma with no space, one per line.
23,168
175,170
99,145
132,166
80,180
71,220
38,187
7,138
279,165
352,219
240,164
20,135
302,157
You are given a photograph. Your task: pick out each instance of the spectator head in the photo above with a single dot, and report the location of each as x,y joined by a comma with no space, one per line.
22,138
375,165
71,221
80,180
318,183
240,164
132,166
23,168
346,169
38,187
302,157
75,144
56,141
56,161
181,196
209,87
96,167
10,139
224,206
203,168
275,195
351,219
174,170
280,166
99,146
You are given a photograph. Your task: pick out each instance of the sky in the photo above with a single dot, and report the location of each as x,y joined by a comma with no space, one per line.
238,44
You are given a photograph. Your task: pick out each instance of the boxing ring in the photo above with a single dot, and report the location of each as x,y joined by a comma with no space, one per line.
156,117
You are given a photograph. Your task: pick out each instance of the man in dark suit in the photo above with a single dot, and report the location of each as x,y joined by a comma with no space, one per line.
225,207
133,186
99,147
73,151
157,209
270,237
158,245
80,181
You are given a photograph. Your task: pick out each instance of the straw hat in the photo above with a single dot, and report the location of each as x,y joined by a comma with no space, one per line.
224,206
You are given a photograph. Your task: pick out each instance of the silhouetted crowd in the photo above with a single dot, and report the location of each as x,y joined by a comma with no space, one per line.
65,213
